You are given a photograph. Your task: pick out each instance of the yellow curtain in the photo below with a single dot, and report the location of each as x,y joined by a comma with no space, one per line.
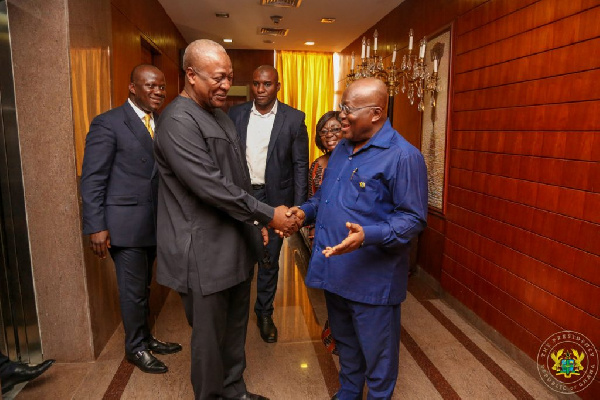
90,87
307,84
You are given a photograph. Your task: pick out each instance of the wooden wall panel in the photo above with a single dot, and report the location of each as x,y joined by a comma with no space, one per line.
583,86
577,57
132,21
246,61
545,37
527,18
488,12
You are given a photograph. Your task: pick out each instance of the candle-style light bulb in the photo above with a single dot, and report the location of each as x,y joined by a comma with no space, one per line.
375,40
352,65
363,48
435,65
368,48
422,48
394,55
410,40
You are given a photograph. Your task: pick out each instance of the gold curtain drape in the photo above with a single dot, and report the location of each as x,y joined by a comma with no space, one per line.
307,84
90,87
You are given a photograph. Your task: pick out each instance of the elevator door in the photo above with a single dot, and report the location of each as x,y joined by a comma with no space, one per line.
19,334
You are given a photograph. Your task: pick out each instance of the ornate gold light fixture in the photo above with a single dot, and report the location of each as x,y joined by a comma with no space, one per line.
412,73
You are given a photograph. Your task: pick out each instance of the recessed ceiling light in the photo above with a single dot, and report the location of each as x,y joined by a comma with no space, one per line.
222,15
309,43
328,20
228,40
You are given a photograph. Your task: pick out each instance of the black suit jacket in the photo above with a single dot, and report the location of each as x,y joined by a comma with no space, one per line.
209,236
119,181
286,173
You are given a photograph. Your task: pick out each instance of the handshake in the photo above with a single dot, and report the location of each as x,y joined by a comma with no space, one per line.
287,221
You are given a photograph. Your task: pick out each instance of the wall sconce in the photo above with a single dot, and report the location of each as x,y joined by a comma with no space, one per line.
412,72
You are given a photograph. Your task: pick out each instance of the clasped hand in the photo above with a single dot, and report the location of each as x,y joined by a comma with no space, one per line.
287,221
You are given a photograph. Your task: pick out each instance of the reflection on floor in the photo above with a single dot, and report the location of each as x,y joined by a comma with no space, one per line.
442,356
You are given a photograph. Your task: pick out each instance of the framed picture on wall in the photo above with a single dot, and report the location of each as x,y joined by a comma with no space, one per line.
435,118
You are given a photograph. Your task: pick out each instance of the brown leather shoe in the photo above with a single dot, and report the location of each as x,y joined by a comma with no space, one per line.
147,362
268,330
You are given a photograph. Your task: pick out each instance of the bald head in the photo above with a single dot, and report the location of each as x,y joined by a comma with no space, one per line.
373,90
364,104
200,52
269,69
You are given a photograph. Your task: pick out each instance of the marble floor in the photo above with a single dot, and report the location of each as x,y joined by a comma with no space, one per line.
441,355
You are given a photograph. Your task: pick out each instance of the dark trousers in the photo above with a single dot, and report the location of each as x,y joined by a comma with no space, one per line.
268,269
219,322
134,274
368,341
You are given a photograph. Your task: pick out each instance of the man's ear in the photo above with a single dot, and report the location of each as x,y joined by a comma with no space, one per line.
278,86
189,75
377,114
131,88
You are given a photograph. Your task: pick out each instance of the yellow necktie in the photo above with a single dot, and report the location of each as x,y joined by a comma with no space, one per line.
147,118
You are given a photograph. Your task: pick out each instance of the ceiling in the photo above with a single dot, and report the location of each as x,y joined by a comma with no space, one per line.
196,19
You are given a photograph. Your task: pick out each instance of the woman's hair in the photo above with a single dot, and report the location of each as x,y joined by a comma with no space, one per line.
321,123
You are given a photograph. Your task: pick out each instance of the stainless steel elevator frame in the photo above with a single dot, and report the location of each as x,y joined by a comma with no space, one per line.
19,329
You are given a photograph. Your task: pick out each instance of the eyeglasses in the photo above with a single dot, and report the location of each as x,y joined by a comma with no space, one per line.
351,110
218,80
333,131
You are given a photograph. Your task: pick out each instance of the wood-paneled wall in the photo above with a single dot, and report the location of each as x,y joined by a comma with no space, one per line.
132,22
520,241
246,61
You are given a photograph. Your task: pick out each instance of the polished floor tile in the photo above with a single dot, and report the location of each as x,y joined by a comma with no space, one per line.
436,362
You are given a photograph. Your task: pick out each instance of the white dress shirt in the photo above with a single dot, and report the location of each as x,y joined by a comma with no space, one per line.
258,136
141,113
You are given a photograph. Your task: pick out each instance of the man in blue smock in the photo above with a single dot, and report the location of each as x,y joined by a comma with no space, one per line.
372,202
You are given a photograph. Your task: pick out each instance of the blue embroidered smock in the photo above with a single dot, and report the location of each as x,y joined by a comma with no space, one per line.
383,188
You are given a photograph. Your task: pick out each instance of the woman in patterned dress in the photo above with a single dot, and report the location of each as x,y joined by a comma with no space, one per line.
327,136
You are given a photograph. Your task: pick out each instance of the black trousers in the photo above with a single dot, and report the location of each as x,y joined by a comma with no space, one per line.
268,269
219,322
134,274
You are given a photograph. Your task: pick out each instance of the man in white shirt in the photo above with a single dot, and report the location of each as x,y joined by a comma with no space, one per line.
274,138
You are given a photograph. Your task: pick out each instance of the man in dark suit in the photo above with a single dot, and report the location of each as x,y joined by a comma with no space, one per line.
209,232
274,138
119,187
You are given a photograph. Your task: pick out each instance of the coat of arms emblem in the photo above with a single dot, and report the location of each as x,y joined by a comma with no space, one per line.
566,364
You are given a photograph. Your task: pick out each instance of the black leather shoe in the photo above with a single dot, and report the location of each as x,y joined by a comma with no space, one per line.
268,330
23,373
147,362
247,396
159,347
